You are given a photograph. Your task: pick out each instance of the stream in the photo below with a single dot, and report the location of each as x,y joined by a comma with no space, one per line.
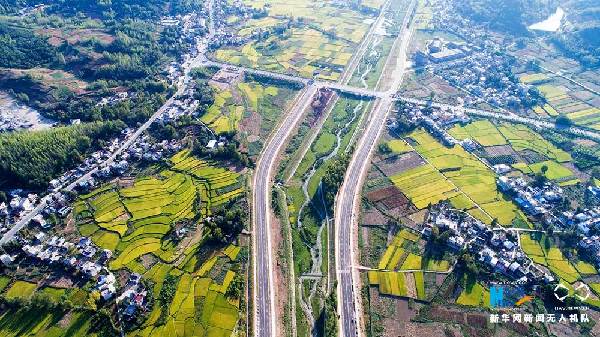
316,250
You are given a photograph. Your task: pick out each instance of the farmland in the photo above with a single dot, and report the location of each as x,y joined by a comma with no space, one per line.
529,152
564,98
321,40
200,306
542,251
453,174
138,223
133,221
249,108
404,260
519,137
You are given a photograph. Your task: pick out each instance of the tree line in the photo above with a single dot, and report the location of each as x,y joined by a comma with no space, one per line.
32,159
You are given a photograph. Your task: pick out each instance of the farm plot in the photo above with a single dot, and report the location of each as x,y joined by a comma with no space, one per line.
223,115
262,108
304,52
454,174
344,23
543,252
522,138
400,262
137,219
249,108
473,294
589,116
578,106
483,132
43,322
202,304
555,171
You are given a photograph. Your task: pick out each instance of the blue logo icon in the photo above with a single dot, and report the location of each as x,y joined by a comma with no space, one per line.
496,296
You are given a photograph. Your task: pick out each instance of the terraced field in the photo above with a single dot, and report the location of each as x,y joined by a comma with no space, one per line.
137,224
200,306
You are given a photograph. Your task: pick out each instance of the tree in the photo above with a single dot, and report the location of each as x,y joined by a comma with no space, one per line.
564,121
226,223
384,148
544,169
235,287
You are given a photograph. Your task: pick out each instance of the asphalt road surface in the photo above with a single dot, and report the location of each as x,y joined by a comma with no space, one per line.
264,295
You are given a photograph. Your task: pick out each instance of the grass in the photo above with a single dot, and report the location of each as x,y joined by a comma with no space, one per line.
522,138
472,295
21,289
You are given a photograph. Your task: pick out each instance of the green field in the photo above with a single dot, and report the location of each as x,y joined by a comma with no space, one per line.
390,273
543,252
463,174
323,45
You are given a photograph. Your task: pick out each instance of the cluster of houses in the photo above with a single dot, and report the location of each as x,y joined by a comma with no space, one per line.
533,200
82,257
437,121
116,98
496,248
88,261
584,221
438,50
476,66
133,297
224,35
19,204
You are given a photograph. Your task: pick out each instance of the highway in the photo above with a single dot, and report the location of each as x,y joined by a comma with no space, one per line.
264,294
347,203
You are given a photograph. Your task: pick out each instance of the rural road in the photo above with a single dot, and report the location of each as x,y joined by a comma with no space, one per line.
264,294
181,87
